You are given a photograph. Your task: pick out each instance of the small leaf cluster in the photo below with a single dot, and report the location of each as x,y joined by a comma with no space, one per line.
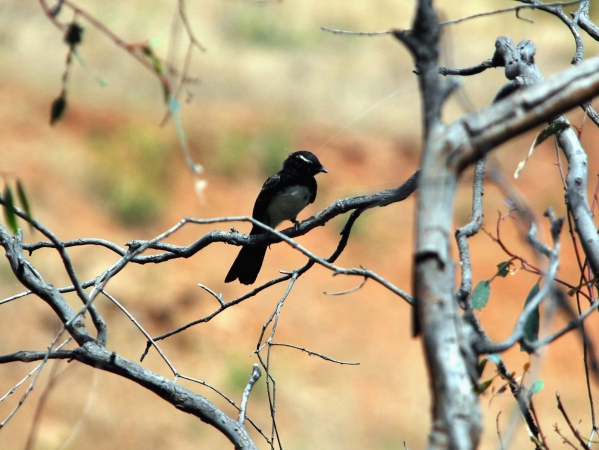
8,200
508,378
482,292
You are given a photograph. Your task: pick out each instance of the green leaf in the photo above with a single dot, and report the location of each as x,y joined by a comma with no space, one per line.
531,327
549,130
156,63
503,268
23,198
10,214
482,387
159,69
480,295
24,201
537,386
481,365
166,93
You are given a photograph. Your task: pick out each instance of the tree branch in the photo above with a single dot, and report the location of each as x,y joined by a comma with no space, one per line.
524,110
456,412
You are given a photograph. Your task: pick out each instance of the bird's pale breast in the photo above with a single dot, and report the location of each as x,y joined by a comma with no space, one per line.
287,204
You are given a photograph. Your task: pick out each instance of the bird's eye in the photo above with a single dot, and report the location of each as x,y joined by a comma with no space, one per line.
304,159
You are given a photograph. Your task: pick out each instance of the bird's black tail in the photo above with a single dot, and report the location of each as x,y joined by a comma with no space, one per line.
247,264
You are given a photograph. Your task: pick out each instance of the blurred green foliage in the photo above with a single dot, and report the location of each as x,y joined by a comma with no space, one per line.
264,148
392,442
232,149
238,375
359,230
272,145
263,27
6,274
131,174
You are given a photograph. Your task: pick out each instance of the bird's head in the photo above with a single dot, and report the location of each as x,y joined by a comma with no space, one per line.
303,162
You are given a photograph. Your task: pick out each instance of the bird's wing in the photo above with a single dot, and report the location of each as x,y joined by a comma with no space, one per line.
272,184
311,183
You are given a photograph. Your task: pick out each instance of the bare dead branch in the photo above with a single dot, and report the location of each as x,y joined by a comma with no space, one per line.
362,203
466,71
515,9
526,109
470,229
456,412
557,11
256,373
585,22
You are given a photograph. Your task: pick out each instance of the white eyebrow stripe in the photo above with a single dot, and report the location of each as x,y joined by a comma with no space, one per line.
303,158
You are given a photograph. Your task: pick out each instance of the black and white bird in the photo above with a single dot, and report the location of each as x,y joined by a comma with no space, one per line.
281,198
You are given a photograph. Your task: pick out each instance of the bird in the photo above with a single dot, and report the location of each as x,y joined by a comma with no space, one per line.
282,197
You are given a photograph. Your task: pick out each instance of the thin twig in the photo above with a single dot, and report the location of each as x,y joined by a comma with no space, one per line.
30,374
504,10
144,332
37,371
356,33
348,291
312,353
192,37
501,447
229,400
89,404
270,381
35,421
565,440
538,422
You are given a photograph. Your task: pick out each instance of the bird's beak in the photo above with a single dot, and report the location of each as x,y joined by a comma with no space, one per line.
322,169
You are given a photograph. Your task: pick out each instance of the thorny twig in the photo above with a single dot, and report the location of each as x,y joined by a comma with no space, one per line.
574,431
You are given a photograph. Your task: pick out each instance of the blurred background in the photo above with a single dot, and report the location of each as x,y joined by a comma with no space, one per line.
270,82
